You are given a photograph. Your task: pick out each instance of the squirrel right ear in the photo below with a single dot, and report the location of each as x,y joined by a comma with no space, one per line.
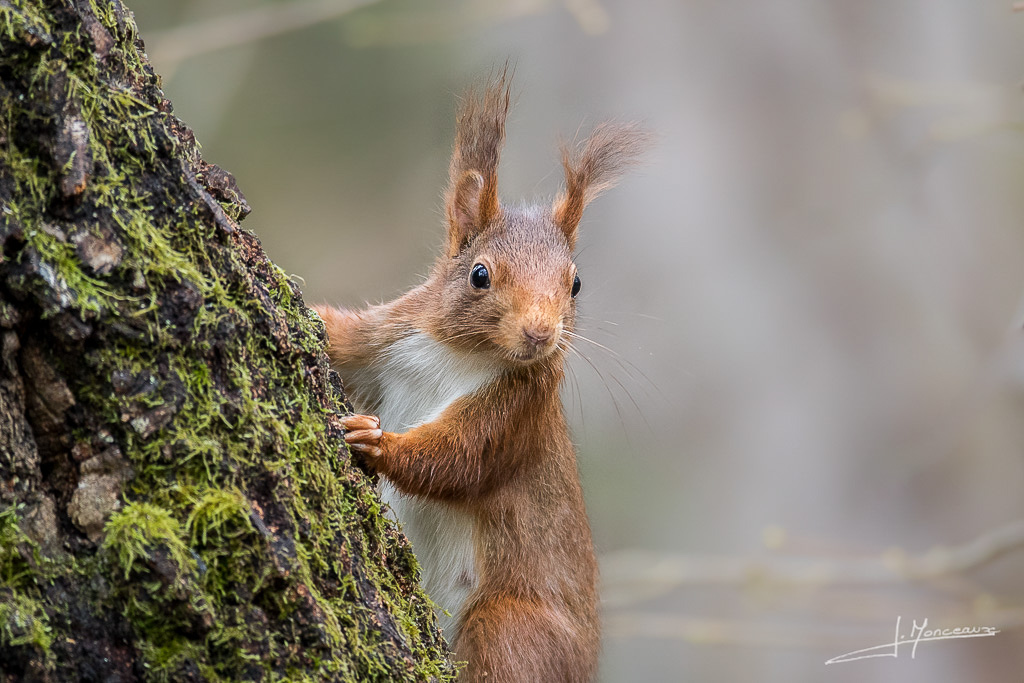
471,201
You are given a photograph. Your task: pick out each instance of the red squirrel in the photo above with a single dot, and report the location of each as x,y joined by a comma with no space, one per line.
459,379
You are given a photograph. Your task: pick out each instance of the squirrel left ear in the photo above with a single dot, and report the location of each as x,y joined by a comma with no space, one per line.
593,167
464,215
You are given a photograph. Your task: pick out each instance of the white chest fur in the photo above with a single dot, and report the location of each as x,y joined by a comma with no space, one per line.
413,382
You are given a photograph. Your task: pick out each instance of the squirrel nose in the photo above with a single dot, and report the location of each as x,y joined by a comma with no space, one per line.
537,335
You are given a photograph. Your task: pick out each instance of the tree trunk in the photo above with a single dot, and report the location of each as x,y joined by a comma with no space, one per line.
176,500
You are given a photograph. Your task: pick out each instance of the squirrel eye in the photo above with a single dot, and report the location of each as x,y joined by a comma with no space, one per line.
576,284
480,278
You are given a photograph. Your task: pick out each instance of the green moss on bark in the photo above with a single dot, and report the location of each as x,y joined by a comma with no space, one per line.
193,514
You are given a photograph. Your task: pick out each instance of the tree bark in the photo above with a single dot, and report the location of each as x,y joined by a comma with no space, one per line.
176,500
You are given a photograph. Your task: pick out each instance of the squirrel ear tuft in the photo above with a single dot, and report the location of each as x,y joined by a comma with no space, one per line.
464,210
593,167
473,173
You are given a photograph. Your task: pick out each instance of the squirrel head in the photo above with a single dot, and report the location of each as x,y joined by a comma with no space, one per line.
507,274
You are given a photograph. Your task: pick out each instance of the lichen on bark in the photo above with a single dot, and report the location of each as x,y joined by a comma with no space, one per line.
176,500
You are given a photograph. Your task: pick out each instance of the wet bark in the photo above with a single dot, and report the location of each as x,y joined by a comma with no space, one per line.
176,500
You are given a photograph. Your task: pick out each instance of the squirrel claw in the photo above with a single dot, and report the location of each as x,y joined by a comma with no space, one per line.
365,449
360,422
364,435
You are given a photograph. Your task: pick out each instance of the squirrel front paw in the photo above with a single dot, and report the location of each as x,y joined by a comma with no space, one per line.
363,435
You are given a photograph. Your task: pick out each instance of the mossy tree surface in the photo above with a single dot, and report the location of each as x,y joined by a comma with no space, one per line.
176,501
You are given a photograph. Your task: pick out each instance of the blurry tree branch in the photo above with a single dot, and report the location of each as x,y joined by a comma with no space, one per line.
744,632
959,109
168,48
440,22
632,575
590,15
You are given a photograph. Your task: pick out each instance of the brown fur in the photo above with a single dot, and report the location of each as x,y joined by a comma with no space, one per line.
595,166
503,453
472,195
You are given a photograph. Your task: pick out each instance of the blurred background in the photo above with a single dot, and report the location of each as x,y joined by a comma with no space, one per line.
803,414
